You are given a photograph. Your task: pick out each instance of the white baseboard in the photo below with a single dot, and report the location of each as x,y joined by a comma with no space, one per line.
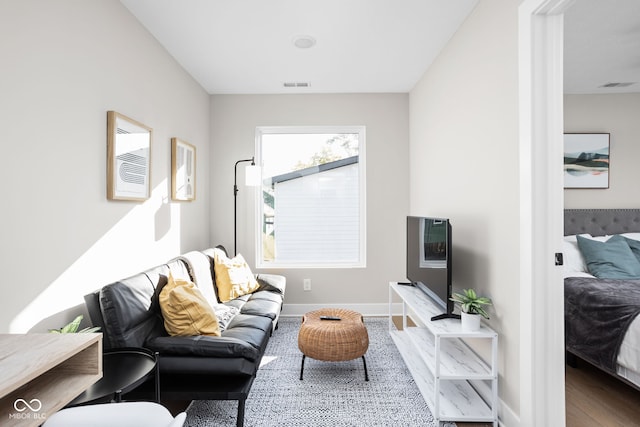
506,416
377,310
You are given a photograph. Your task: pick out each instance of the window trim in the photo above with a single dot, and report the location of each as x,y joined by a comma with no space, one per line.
362,181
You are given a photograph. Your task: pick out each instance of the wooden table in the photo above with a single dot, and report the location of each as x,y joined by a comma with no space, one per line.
41,373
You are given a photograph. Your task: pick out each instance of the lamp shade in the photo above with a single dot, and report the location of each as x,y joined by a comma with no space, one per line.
253,176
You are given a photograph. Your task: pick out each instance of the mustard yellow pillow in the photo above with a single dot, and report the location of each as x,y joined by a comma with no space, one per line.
185,310
233,276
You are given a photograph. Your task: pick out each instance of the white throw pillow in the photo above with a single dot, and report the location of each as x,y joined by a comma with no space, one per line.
573,260
225,314
633,236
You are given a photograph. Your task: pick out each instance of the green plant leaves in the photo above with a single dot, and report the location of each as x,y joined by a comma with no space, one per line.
471,303
72,327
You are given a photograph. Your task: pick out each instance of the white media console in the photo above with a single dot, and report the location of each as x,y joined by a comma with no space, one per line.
446,370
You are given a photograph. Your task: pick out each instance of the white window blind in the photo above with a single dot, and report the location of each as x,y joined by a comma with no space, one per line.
312,201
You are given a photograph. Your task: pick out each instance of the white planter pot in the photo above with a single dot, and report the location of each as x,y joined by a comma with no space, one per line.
470,322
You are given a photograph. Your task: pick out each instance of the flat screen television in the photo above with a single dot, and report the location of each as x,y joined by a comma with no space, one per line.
429,263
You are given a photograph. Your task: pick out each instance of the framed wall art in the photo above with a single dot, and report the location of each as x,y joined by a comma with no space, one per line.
183,170
128,158
586,160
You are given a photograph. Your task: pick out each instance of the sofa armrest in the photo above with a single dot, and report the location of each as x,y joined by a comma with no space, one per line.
272,282
203,346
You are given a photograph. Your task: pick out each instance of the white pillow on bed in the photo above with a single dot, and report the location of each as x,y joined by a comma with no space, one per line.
573,260
633,236
598,238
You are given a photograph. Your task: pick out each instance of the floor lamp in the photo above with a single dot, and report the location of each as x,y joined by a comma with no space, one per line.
252,179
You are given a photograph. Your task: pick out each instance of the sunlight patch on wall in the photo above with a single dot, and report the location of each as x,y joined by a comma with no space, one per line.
148,235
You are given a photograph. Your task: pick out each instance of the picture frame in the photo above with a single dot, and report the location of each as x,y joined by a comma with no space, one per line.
586,160
183,171
128,158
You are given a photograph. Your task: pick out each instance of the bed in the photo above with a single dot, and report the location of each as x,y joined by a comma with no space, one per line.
602,325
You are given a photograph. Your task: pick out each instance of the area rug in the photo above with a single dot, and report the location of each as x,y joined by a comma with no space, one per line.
331,394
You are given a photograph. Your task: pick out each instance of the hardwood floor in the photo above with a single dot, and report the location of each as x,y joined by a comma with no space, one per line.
595,399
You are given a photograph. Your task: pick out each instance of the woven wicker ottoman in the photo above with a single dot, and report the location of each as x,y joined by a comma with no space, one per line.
333,340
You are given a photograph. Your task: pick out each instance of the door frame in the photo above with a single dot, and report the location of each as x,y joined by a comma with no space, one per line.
542,386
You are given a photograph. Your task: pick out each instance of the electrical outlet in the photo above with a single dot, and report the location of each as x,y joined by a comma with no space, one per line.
306,283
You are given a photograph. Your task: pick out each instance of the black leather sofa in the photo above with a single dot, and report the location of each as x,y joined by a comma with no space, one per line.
194,367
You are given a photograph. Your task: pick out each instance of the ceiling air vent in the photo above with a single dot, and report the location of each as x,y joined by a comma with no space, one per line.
296,84
618,84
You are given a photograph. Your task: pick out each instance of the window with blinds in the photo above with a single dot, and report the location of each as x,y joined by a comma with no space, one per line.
312,203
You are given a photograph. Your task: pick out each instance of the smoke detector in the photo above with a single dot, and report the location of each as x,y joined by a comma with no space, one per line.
304,42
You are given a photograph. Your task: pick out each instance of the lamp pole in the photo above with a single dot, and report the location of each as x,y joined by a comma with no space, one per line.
235,201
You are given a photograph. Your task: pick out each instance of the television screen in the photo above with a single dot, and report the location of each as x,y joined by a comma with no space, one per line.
429,258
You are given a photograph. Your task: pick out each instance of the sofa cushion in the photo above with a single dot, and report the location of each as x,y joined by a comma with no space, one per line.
204,346
261,307
179,269
267,296
260,323
176,372
185,310
125,308
254,330
233,276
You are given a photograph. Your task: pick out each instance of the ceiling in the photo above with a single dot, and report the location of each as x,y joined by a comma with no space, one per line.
246,46
365,46
602,45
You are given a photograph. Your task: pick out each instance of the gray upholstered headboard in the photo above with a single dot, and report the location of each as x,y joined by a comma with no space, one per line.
600,222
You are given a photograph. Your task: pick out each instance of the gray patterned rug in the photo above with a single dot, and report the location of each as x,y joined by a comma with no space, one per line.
331,394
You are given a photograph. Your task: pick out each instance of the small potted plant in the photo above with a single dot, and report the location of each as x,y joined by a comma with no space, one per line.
471,307
72,328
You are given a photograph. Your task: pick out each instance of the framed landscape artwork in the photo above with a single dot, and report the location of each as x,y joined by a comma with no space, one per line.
128,158
586,160
183,170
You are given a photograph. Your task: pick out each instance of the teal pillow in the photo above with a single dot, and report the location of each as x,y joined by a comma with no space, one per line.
612,259
635,247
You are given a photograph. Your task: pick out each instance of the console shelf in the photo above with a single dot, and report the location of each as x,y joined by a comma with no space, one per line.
443,366
41,373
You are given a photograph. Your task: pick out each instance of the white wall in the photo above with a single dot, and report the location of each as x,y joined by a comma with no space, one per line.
616,114
64,64
464,166
234,120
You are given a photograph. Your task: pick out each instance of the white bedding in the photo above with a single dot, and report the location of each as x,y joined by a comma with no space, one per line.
629,354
